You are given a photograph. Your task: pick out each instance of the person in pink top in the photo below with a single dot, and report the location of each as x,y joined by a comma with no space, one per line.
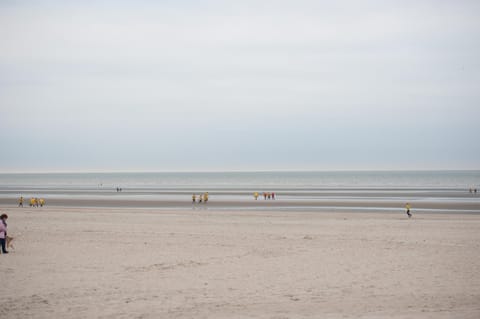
3,232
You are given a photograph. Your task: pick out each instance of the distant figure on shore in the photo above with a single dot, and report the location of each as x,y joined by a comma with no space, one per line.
42,202
269,195
475,190
407,207
273,195
20,201
264,195
37,202
255,195
205,197
194,198
32,202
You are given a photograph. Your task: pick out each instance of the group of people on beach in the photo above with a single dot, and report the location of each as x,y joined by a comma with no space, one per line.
201,198
266,195
33,202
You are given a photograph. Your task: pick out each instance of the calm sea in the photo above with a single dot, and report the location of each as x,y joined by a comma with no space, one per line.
246,180
441,191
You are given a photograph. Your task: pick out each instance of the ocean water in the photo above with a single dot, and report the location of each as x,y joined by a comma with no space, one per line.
359,190
246,180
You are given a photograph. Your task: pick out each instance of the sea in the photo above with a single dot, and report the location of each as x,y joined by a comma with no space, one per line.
322,188
458,179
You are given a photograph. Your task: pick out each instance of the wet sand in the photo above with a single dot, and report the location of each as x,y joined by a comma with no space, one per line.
304,199
148,263
372,205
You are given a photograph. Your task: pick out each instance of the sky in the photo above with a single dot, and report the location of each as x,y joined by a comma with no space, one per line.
239,85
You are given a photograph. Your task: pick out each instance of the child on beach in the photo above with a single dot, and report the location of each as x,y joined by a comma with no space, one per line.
407,207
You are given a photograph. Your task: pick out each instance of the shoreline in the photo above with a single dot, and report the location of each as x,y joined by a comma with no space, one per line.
385,205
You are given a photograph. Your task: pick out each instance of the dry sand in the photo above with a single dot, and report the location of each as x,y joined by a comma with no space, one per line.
140,263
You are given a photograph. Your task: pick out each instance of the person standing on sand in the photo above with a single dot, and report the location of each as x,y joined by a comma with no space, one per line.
255,195
20,202
3,232
194,198
42,202
407,207
205,197
273,195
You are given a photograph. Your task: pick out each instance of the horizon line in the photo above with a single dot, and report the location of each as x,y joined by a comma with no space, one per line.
234,171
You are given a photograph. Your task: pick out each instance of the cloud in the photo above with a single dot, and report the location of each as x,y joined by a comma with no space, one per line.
317,80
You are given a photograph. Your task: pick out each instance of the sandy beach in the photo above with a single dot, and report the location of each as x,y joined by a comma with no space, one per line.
147,263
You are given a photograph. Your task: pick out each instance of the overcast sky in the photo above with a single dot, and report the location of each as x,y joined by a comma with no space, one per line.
239,85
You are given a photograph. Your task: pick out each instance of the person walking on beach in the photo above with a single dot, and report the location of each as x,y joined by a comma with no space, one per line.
205,197
32,202
255,195
42,202
273,195
20,202
264,195
3,233
407,207
194,198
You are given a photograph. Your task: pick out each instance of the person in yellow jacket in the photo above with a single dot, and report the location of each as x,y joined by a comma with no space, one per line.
205,197
32,202
20,201
255,195
42,202
194,198
407,207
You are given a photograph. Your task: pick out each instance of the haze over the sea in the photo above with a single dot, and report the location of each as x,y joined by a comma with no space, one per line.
250,85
